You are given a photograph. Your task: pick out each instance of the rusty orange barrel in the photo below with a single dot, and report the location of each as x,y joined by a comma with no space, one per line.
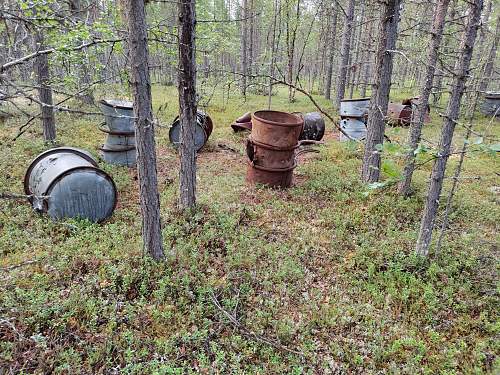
399,114
277,129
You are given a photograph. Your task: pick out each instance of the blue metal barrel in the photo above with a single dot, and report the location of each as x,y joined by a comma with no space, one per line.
354,107
354,128
66,182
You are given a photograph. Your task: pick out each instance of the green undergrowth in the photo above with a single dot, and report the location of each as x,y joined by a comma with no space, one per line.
320,278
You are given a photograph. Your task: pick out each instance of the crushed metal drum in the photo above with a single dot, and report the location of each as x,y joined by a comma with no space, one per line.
490,106
314,127
278,129
120,148
355,128
203,129
242,123
399,114
66,182
414,102
119,114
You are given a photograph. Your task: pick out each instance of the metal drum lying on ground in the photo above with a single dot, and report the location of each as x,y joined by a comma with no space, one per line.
66,182
355,128
277,129
354,107
314,127
119,114
399,114
203,129
243,123
490,105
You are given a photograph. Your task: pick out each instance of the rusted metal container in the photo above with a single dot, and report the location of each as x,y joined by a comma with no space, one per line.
118,114
314,127
278,129
272,177
399,114
270,157
243,123
354,128
66,182
204,127
414,102
490,105
354,107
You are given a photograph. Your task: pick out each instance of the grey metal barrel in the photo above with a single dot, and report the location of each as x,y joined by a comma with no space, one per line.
314,127
354,107
490,105
203,129
120,148
354,128
66,182
119,114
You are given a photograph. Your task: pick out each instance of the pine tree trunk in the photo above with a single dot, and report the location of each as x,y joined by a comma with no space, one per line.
144,129
273,55
355,62
42,71
418,115
387,35
331,55
187,102
344,53
244,62
452,113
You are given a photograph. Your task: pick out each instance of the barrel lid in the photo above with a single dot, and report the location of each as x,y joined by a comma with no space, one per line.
70,150
117,103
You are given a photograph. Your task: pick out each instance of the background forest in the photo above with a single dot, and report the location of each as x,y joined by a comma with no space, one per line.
382,257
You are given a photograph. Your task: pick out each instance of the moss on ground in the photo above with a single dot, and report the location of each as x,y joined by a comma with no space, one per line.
321,269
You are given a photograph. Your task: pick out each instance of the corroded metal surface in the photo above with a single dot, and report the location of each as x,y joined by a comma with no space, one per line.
277,178
278,129
399,114
270,157
66,183
204,127
243,123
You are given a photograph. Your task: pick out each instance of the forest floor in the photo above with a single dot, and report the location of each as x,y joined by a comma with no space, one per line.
320,278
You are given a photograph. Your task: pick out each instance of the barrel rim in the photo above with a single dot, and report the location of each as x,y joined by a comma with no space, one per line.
105,129
107,103
266,169
355,100
46,153
95,169
271,147
124,149
299,121
176,144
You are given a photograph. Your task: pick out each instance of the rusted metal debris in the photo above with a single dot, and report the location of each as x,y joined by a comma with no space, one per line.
243,123
271,148
399,114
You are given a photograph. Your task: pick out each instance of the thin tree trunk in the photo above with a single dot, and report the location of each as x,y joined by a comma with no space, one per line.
144,129
490,62
187,102
452,114
42,71
356,62
421,108
387,35
273,55
368,63
344,52
331,54
244,62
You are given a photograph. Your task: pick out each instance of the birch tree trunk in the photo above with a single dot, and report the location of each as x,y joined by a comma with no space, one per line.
387,35
461,72
42,72
187,102
421,108
344,52
144,129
